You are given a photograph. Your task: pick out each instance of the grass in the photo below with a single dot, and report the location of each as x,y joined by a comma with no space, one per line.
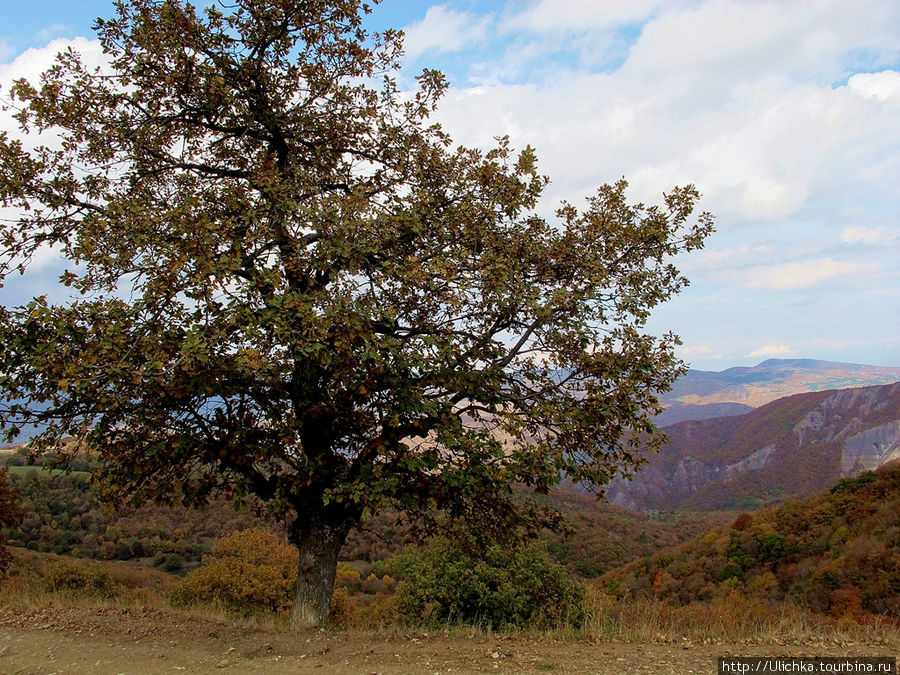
24,470
731,620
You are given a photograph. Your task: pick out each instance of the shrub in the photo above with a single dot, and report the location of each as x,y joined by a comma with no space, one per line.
346,577
742,522
523,587
846,602
249,571
173,563
343,606
84,581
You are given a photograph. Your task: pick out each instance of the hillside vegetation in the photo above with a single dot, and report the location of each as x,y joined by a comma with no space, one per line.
63,516
817,572
836,553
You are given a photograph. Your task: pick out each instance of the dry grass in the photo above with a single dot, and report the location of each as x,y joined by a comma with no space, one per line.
734,619
730,620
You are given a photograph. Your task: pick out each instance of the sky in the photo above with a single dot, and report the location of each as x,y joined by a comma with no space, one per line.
785,115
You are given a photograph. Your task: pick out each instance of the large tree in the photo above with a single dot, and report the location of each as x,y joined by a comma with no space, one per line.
286,284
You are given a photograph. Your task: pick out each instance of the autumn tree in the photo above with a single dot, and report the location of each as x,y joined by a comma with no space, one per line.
286,283
10,514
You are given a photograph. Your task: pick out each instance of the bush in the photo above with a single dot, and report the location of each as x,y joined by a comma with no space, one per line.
523,587
173,563
84,581
248,571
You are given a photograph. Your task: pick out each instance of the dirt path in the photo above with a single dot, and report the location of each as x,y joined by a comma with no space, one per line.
106,640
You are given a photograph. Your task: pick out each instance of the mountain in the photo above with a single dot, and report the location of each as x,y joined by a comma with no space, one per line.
771,380
786,449
681,412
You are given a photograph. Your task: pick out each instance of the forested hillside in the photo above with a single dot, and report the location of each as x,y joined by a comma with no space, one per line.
63,516
837,552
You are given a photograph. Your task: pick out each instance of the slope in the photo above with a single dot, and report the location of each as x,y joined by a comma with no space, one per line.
786,449
837,552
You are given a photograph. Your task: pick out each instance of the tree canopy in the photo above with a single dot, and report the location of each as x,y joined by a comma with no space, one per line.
286,282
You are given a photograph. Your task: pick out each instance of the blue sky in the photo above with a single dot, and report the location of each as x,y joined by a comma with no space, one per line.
785,114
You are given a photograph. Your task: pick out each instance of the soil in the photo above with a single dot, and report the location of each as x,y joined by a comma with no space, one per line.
114,640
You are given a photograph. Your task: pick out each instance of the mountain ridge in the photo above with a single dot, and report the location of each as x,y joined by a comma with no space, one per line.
746,387
788,448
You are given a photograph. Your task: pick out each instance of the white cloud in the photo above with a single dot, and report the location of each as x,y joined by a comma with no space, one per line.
45,263
445,30
884,85
54,29
689,352
30,65
772,350
857,234
736,97
804,274
720,40
730,257
32,62
551,15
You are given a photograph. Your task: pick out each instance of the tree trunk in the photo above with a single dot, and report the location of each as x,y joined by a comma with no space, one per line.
319,544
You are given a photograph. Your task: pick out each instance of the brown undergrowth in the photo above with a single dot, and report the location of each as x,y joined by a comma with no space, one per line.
731,620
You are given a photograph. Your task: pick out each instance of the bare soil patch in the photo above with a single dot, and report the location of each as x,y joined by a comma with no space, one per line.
119,640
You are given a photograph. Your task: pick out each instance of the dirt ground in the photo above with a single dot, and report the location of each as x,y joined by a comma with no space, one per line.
111,640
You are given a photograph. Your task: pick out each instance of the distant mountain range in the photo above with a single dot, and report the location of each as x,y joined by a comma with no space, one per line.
786,449
704,394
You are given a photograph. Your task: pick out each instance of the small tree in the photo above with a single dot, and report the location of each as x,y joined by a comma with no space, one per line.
288,285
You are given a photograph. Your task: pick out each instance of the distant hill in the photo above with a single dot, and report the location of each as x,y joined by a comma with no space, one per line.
786,449
837,552
771,380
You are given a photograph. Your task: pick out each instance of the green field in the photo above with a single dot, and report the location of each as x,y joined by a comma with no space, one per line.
23,470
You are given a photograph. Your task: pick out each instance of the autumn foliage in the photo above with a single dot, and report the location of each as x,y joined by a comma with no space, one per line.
249,571
10,513
837,553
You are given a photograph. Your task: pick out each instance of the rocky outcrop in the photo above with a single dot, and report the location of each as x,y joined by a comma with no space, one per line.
871,449
755,460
